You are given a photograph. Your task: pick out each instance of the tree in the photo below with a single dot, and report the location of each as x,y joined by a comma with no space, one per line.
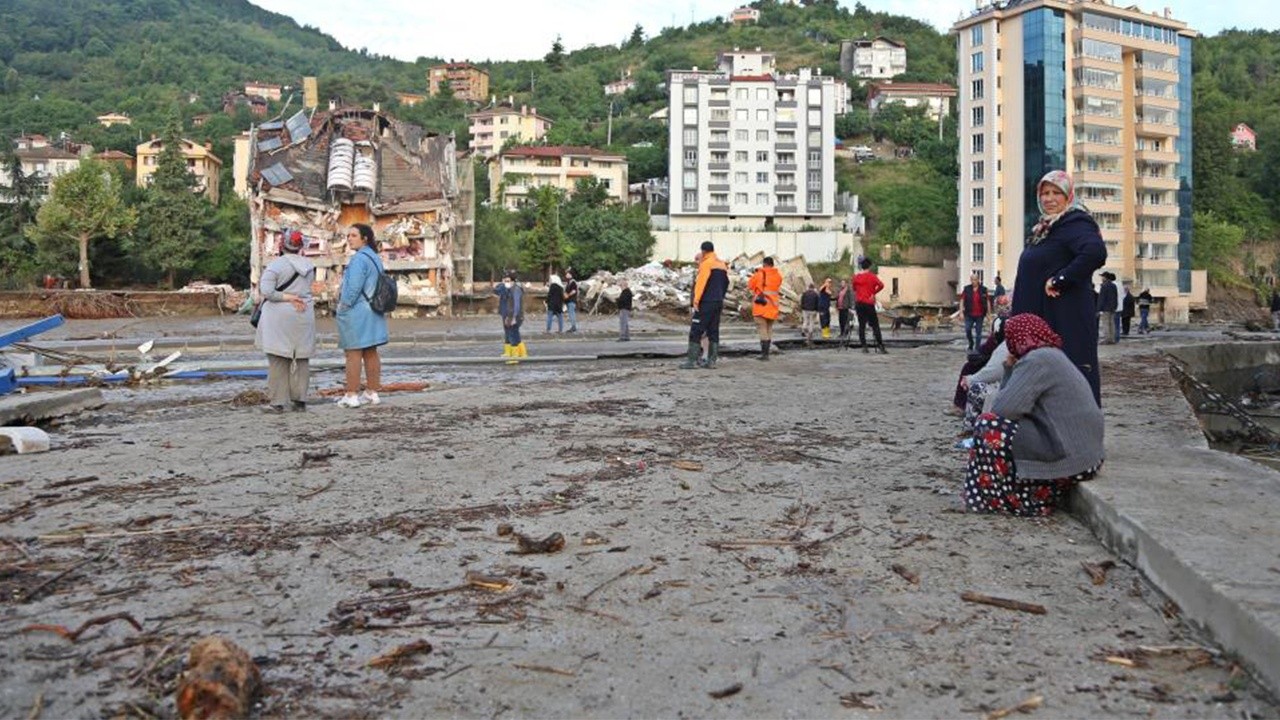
637,37
1217,244
542,245
17,253
173,215
555,58
84,204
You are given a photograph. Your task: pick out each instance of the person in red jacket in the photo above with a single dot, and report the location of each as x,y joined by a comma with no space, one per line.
865,287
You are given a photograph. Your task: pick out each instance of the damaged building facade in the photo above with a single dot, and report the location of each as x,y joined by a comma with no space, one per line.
319,173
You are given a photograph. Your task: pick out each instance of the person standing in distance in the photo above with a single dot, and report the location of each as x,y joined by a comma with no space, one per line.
708,302
361,331
624,311
571,299
287,330
865,286
765,286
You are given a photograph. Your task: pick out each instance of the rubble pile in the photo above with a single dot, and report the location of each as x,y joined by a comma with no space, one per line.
660,287
228,297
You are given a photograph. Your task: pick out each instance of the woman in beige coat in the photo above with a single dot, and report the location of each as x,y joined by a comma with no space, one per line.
287,329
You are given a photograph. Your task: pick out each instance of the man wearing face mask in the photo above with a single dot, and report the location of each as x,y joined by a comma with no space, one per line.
511,309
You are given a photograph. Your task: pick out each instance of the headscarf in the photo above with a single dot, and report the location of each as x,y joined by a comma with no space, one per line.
555,280
1061,180
1025,332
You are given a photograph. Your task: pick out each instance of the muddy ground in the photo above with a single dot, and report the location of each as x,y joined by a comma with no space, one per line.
764,540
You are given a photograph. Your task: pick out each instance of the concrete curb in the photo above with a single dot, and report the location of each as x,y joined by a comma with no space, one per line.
43,406
1202,526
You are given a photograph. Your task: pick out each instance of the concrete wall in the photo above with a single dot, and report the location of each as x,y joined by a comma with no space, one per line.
820,246
917,285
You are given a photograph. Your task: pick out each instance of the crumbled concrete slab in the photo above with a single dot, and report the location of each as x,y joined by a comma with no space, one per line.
26,408
23,440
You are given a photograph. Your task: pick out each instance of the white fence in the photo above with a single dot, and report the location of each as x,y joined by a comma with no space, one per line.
816,246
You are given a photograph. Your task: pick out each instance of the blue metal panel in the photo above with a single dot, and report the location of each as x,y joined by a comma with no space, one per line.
28,331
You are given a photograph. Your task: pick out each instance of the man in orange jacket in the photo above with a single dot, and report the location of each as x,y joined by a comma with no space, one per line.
766,288
708,302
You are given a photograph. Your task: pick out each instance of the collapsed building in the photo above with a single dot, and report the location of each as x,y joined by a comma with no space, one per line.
322,172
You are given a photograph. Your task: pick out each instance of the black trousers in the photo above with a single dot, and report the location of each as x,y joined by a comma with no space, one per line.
843,314
706,322
867,316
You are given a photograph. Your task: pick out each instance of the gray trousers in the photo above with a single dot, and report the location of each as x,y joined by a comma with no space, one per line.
287,380
624,323
1109,327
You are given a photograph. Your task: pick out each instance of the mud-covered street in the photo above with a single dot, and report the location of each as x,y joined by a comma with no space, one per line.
778,539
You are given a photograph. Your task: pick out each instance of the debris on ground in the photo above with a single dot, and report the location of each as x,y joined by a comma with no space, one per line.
400,655
22,440
526,545
250,398
221,681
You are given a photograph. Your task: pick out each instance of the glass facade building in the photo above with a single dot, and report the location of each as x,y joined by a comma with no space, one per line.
1044,131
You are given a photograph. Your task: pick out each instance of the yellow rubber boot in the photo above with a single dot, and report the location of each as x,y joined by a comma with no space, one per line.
522,351
508,350
826,333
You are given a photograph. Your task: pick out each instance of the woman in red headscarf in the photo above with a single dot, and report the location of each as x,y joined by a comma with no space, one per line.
1044,431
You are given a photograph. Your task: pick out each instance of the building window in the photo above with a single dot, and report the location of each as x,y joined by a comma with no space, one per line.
978,170
691,136
787,200
690,93
814,202
741,93
975,62
978,143
720,178
690,179
815,138
979,115
741,198
979,252
762,116
786,136
762,198
691,116
720,114
741,178
814,177
815,116
762,136
762,156
976,89
762,93
815,157
740,155
742,114
762,178
690,200
979,224
979,197
815,96
719,198
741,135
719,136
975,35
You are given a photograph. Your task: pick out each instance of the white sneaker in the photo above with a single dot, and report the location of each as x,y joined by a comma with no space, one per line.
368,397
349,401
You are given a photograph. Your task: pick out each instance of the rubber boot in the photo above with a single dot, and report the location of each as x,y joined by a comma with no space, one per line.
508,350
713,354
764,350
691,358
880,349
826,333
521,350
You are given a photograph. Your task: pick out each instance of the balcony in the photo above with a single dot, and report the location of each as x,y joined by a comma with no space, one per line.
1157,72
785,104
718,145
718,102
1147,128
1165,156
1079,92
1102,177
1097,148
1157,237
1156,264
1148,182
1161,210
784,146
1157,101
784,188
785,209
718,166
1081,118
1099,205
718,124
721,209
718,187
784,167
785,124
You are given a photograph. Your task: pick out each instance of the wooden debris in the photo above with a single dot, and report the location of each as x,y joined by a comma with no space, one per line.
74,635
723,693
526,545
906,574
221,681
633,570
488,582
594,538
389,582
397,656
72,481
921,537
318,456
1121,661
1098,571
546,669
411,386
691,465
36,707
1005,603
858,701
1026,706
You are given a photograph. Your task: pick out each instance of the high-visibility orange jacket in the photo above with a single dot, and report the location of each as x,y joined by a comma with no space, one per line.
766,281
713,280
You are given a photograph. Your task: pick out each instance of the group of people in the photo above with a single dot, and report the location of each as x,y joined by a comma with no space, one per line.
286,331
1117,306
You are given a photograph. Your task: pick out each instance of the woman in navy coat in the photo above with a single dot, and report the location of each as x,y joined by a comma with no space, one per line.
1055,273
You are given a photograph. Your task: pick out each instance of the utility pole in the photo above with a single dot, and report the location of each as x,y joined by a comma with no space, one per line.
609,132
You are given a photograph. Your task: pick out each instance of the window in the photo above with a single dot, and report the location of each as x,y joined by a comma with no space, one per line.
979,252
762,116
742,115
815,138
691,158
690,178
741,135
786,158
691,116
815,116
979,196
741,198
690,200
762,156
762,135
762,178
978,170
786,136
979,224
691,136
719,136
815,157
976,89
975,35
787,200
814,177
975,62
719,198
979,115
814,202
741,93
740,155
815,96
762,93
786,178
719,156
720,114
762,198
690,93
977,144
741,178
720,178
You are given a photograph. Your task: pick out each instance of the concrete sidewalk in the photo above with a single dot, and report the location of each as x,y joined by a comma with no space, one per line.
1202,525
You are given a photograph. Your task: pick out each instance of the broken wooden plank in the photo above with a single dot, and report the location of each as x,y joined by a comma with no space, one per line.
1026,706
1005,603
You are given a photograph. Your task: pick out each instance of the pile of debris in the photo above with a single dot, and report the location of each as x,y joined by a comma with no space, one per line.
228,297
666,289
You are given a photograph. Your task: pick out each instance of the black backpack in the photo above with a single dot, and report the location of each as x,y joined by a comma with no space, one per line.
385,294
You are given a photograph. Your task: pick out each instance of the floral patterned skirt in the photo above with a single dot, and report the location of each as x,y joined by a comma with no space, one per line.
991,483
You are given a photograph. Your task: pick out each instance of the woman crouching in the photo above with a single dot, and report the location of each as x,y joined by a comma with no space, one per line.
1044,431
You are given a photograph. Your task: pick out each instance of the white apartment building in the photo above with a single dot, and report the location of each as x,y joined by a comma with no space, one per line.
750,148
1101,91
875,59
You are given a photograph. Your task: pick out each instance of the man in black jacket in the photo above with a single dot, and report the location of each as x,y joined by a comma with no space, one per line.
1108,296
624,312
974,307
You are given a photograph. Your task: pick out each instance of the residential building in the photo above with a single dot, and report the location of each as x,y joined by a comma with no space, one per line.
41,161
514,171
875,59
257,104
935,97
1243,137
466,81
410,99
319,172
495,125
1100,90
744,16
123,159
310,92
618,87
752,148
110,119
201,162
267,90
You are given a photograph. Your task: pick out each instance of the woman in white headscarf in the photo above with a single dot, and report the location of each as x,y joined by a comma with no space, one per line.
555,303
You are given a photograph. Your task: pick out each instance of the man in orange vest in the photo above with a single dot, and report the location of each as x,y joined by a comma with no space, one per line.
708,302
766,287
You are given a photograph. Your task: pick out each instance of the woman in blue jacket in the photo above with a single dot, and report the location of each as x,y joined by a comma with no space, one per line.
360,329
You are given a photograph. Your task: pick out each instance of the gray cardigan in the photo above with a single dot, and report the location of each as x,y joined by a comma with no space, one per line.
1060,425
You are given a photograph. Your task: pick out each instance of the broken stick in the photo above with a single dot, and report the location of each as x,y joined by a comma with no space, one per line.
74,635
905,574
1005,603
1027,705
400,654
1097,571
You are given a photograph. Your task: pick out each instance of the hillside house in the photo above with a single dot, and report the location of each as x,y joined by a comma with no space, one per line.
110,119
266,90
934,96
464,80
744,16
516,170
498,123
201,162
1243,137
879,58
322,173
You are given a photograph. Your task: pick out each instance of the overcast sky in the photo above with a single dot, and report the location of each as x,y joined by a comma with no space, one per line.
509,30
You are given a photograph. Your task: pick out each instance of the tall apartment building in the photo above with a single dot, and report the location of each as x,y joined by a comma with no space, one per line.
515,171
465,81
1100,90
493,126
750,148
